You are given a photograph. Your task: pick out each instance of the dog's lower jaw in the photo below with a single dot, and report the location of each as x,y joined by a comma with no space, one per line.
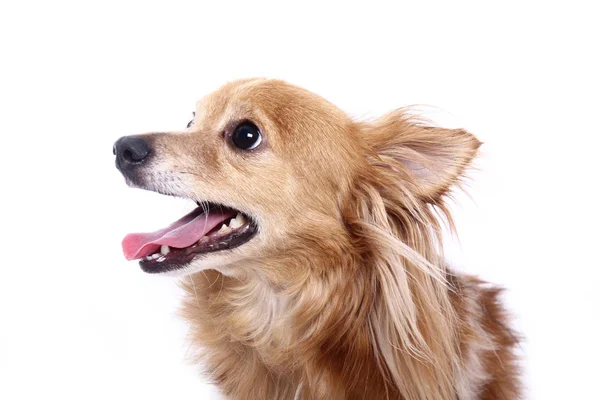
219,263
253,348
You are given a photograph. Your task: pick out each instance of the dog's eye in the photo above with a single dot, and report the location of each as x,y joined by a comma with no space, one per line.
246,136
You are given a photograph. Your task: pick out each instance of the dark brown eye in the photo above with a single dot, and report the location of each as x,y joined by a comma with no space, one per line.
246,136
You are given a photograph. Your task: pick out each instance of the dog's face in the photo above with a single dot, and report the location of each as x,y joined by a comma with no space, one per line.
266,162
274,168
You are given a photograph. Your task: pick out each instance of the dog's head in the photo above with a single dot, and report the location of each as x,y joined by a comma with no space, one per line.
275,168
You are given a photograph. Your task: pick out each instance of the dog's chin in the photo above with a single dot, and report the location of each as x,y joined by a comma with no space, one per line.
220,262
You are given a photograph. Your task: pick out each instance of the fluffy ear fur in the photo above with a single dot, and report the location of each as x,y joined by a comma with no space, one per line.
436,158
413,324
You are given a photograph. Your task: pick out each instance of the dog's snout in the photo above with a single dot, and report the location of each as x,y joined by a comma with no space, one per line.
131,151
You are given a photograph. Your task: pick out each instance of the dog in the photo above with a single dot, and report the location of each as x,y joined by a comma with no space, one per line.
313,263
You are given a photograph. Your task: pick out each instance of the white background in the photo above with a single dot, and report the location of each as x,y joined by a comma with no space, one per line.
79,322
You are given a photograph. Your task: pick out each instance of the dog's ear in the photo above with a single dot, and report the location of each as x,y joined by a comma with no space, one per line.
435,158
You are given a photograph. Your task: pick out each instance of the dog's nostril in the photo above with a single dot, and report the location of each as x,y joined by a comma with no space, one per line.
129,156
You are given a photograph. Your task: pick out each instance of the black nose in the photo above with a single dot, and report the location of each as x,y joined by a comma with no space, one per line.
130,150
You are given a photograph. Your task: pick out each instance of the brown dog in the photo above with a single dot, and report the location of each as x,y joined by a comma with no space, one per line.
314,258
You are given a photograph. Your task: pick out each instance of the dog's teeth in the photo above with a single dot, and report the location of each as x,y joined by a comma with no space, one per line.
238,221
148,258
161,259
164,249
224,229
155,256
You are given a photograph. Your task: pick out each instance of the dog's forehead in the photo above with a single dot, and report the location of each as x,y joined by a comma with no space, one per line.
236,100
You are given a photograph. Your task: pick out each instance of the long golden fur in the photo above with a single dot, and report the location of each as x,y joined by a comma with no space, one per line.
344,293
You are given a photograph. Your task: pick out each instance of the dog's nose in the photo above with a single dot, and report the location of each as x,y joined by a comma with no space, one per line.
130,150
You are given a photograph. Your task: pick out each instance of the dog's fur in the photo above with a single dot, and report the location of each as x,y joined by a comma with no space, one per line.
344,292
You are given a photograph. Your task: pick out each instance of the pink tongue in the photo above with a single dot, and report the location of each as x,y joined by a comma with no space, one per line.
182,233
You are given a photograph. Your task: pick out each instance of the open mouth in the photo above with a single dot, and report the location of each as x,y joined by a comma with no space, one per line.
208,228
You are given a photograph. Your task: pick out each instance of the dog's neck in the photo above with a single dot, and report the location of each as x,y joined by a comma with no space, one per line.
332,318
